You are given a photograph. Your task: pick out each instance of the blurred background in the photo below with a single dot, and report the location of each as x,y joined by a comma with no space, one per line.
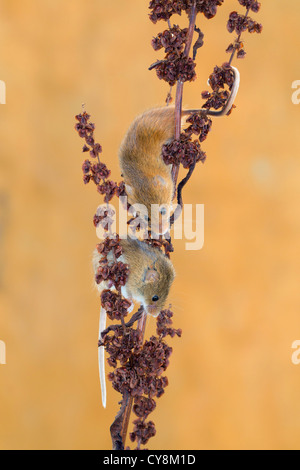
232,383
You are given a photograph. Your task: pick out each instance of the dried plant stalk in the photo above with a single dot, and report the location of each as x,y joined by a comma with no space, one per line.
138,364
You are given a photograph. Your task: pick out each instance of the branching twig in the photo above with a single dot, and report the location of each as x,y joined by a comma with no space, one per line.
238,39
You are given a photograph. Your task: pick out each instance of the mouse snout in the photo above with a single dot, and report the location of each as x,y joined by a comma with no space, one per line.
152,310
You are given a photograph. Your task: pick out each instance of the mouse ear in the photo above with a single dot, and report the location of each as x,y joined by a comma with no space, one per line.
151,275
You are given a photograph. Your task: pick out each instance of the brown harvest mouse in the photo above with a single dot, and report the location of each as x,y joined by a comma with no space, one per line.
147,178
151,275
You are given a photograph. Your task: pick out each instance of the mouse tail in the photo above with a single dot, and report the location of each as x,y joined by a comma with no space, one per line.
101,357
228,105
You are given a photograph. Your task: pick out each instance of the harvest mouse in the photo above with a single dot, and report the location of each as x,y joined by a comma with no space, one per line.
151,275
147,178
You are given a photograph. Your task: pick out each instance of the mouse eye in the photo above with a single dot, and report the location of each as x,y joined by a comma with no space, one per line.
155,298
163,211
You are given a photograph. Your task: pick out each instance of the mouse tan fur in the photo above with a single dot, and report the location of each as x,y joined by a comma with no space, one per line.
147,178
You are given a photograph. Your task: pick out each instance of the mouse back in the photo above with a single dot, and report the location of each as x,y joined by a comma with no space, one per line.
147,177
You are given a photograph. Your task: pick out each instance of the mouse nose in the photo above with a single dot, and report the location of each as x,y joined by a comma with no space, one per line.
152,310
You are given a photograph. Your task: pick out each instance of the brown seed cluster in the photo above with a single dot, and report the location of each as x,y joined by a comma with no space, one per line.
175,66
164,9
114,273
250,5
221,77
183,151
172,40
96,172
240,23
104,217
114,304
199,124
138,368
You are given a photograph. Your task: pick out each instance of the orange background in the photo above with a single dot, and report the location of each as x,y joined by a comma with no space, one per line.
232,381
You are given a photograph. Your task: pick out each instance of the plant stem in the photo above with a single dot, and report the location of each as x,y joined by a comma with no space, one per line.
179,90
141,326
116,427
127,413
